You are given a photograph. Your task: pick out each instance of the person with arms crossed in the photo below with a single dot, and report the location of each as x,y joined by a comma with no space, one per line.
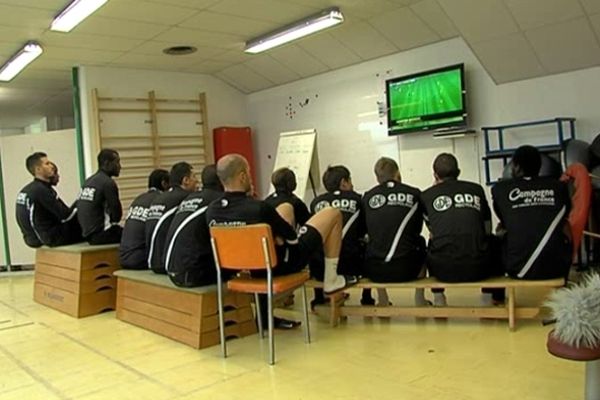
44,219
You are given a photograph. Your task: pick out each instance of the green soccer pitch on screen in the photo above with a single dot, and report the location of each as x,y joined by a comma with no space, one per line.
426,100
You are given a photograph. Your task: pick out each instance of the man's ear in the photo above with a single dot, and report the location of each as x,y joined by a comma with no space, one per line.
458,174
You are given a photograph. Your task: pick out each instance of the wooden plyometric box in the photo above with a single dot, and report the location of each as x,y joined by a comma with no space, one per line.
76,279
187,315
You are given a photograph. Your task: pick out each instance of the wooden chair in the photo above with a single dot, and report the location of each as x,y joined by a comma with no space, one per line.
252,248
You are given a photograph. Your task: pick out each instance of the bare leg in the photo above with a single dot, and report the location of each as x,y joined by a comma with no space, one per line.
328,222
286,211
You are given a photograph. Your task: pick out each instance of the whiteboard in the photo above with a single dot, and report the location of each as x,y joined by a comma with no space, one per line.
297,151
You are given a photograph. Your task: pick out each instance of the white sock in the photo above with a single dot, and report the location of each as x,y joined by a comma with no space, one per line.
486,299
382,297
332,281
439,299
420,299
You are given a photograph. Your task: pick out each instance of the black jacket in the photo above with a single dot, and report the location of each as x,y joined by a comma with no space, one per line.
98,204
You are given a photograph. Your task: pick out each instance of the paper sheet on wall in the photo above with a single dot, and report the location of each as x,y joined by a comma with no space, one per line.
297,151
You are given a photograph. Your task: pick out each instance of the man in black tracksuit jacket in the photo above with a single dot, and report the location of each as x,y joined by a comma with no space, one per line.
99,208
341,195
236,208
162,210
396,249
132,252
188,254
534,212
459,219
44,219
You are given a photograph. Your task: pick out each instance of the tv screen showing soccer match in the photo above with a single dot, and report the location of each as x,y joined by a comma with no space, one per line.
426,100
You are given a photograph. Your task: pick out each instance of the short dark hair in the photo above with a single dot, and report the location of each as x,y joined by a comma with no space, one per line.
528,160
333,176
210,178
33,161
386,169
445,166
157,177
284,180
106,156
178,172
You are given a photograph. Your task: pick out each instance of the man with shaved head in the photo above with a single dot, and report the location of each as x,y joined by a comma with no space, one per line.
459,219
323,230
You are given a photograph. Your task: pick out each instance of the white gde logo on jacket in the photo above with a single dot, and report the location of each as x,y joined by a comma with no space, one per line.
345,205
87,193
459,200
392,199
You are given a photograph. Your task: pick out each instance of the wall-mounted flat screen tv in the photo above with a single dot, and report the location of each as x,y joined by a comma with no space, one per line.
427,100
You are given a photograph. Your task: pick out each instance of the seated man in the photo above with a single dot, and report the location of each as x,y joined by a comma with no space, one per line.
133,253
396,249
189,260
44,219
459,219
284,182
341,195
162,210
99,208
533,211
323,229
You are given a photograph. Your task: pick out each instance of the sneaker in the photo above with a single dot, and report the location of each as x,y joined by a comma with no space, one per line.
318,302
349,280
285,324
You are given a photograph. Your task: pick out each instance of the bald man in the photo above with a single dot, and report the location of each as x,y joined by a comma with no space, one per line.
323,230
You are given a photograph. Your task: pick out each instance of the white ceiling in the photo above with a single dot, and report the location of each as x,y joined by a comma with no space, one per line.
513,39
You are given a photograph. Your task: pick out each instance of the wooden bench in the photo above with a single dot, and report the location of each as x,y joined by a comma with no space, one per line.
511,311
187,315
76,279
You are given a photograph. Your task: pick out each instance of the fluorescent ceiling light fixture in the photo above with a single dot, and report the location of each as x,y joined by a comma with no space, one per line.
20,60
323,20
76,11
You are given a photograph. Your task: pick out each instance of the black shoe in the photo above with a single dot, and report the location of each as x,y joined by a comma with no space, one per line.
318,302
367,301
286,324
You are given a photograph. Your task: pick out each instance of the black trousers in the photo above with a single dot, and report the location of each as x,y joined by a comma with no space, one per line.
470,270
109,236
63,234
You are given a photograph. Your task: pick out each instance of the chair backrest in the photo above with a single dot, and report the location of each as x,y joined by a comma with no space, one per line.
241,247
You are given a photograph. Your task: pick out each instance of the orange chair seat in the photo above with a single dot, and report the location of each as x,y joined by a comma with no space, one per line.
259,285
561,350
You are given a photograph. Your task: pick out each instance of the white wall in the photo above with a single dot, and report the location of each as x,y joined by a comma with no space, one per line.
351,132
226,105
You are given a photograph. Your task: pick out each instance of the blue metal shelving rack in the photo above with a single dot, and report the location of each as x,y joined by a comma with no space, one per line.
565,130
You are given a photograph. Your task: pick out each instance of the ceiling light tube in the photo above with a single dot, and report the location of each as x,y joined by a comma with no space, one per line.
76,11
323,20
20,60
